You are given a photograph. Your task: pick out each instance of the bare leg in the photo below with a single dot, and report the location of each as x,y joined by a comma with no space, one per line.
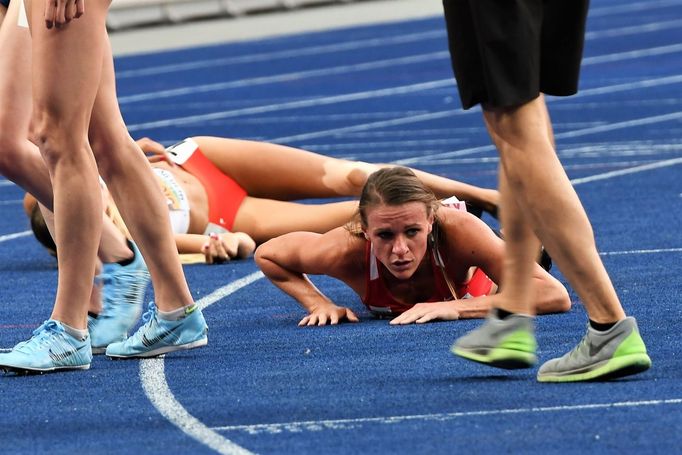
20,159
519,259
131,183
294,174
538,183
65,81
264,219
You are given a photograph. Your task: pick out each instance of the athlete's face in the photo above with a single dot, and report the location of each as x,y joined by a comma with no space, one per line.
399,236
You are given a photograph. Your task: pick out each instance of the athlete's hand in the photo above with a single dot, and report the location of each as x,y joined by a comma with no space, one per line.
221,248
331,314
60,12
426,312
155,152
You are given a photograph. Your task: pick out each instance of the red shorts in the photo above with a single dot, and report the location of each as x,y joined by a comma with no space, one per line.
225,196
479,285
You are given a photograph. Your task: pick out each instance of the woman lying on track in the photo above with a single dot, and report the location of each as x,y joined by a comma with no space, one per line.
407,256
240,190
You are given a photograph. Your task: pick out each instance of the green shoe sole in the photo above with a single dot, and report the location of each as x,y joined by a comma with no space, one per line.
617,367
507,359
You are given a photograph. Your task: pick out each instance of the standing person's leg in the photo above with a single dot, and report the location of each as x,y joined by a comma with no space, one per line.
130,180
539,185
65,79
536,192
64,82
20,159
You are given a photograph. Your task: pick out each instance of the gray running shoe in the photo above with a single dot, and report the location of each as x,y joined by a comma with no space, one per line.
503,343
611,354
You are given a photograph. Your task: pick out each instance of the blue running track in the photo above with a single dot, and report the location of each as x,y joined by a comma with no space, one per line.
381,93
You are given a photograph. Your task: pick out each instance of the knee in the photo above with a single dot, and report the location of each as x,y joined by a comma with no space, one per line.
60,140
50,143
357,176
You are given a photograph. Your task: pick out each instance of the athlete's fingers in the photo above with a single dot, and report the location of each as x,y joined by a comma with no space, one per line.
218,249
322,319
351,316
407,317
334,319
206,249
304,321
80,8
60,13
50,11
230,243
426,318
151,146
69,10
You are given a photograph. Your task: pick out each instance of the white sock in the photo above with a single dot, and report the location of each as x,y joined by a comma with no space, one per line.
178,314
79,334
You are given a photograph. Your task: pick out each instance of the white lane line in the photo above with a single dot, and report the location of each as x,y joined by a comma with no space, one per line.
648,83
6,183
566,134
630,170
344,69
634,54
652,251
634,29
284,54
153,378
648,6
404,60
318,101
339,424
7,237
284,77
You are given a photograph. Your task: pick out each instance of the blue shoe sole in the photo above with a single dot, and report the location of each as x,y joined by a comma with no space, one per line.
163,350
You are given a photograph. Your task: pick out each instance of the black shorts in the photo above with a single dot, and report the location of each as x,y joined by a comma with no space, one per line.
507,52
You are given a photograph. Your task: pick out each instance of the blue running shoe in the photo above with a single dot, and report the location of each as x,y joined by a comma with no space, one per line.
158,336
49,349
123,292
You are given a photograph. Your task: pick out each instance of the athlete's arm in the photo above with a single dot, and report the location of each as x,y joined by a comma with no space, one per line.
477,245
286,261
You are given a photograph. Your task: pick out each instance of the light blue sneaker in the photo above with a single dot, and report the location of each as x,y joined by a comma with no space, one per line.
49,349
123,289
158,336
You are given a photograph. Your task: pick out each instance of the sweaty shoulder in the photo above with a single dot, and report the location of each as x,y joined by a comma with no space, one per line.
452,219
465,232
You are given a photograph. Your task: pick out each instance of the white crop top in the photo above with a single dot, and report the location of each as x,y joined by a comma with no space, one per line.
176,199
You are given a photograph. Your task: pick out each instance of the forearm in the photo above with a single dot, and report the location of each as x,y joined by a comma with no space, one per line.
475,308
295,284
190,243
